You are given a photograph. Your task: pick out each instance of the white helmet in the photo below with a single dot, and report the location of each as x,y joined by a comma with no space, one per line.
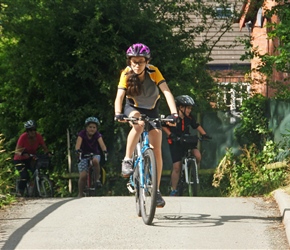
30,124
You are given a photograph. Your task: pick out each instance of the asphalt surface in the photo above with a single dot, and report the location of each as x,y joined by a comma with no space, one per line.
184,223
283,201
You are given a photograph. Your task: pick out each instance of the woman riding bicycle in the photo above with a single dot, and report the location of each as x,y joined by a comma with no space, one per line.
139,82
89,140
184,104
27,144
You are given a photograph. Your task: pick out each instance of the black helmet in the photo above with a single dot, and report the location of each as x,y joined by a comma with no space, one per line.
184,100
29,124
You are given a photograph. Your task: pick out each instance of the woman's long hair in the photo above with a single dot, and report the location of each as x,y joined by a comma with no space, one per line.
133,84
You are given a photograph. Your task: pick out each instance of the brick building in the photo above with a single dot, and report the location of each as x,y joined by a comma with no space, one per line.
253,20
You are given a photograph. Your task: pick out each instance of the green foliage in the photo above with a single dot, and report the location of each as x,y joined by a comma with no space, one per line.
254,124
284,148
60,62
247,174
7,176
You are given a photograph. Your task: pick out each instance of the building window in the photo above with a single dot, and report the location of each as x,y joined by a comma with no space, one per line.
231,96
224,12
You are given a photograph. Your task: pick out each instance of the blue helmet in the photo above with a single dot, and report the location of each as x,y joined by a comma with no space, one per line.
92,120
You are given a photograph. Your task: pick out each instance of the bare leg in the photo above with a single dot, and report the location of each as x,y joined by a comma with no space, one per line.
82,183
197,155
175,174
133,136
97,168
155,138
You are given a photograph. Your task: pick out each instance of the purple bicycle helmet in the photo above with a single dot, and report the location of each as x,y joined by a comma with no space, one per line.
138,49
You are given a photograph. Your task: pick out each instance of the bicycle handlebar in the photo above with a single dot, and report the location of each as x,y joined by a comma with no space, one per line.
190,138
148,119
91,155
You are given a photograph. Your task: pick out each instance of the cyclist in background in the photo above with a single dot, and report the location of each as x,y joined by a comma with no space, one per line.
28,144
139,82
89,140
184,104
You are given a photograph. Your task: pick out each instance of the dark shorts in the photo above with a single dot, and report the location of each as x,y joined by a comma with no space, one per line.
152,113
178,151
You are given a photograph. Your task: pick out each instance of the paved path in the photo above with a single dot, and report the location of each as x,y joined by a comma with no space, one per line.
111,223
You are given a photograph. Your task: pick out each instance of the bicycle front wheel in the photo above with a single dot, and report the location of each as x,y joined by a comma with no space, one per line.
192,178
137,191
148,193
44,187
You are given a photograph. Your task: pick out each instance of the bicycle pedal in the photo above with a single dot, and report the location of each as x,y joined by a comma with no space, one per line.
131,189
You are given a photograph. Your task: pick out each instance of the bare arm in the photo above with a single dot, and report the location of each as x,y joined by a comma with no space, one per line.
166,130
79,143
200,130
102,144
19,150
169,97
119,101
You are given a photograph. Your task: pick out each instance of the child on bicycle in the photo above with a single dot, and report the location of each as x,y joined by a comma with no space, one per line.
184,104
89,140
139,82
28,144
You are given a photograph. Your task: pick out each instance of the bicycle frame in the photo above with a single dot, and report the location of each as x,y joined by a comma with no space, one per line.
143,181
91,181
189,167
41,184
144,140
90,176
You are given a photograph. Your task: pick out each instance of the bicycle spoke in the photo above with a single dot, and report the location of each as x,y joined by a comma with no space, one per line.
148,192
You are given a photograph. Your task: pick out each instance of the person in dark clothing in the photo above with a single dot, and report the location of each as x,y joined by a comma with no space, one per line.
184,104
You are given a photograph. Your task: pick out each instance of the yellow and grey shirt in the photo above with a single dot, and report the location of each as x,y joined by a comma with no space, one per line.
150,92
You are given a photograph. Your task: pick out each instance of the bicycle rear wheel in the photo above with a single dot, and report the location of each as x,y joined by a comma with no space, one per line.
180,185
44,187
148,193
93,184
192,178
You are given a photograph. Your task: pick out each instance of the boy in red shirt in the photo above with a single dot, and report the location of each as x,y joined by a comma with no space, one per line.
27,144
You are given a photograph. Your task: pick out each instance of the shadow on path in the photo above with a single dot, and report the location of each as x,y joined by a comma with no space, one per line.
205,220
16,236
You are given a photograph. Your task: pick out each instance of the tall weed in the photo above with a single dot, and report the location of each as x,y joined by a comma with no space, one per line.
7,176
247,174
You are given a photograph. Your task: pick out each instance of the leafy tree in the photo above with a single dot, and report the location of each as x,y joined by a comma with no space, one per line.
253,131
61,59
